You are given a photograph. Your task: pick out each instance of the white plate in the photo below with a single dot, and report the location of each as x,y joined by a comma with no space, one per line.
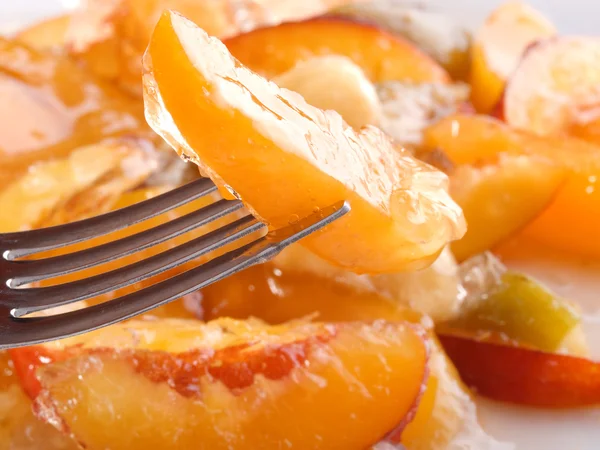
520,428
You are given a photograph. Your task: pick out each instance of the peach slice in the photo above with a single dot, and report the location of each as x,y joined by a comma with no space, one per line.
440,36
276,292
498,47
381,55
556,88
39,196
110,36
287,159
224,384
19,428
51,106
501,199
569,223
46,35
276,296
523,375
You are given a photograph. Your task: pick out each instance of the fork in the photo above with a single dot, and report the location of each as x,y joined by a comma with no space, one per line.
17,300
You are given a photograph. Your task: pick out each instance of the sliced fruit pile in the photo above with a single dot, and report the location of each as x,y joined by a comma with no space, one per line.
351,337
222,384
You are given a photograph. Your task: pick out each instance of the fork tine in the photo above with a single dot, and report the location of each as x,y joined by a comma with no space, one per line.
26,301
22,244
27,331
24,272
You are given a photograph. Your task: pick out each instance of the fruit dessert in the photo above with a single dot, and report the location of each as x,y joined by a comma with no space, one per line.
384,331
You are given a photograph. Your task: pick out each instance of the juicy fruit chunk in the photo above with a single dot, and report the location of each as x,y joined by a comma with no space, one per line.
522,310
382,56
46,35
298,283
275,292
51,106
287,159
524,376
224,384
110,36
555,88
50,188
570,222
19,428
498,47
499,200
276,296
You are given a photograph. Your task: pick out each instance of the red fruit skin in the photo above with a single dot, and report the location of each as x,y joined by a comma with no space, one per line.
524,376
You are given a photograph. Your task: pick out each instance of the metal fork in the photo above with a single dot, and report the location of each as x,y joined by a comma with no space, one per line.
17,300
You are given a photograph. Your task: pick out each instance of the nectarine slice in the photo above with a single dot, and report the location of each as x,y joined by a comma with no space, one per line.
498,47
276,292
381,55
19,428
51,106
499,200
570,222
287,159
434,32
224,385
32,199
555,88
523,375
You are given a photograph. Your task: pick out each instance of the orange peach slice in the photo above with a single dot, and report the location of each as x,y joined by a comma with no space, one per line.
276,293
276,296
46,35
523,375
19,428
39,196
51,106
501,199
498,47
439,35
287,159
224,384
381,55
556,88
570,222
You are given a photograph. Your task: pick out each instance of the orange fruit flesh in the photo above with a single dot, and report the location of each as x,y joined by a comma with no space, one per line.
19,428
382,56
348,385
498,47
276,295
286,159
51,106
569,222
499,200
